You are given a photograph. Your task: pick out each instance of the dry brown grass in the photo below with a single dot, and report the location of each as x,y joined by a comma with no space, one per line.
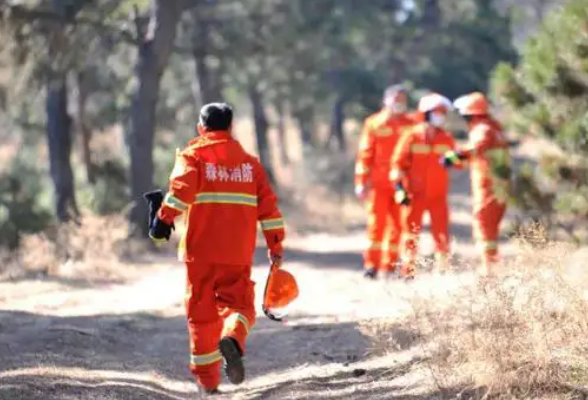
519,336
96,248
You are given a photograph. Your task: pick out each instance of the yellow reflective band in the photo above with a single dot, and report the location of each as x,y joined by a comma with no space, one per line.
441,148
420,148
244,199
361,169
375,246
489,245
385,131
269,224
175,203
205,359
241,318
395,174
234,318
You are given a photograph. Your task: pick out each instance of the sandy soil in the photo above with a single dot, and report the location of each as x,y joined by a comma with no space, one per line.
72,339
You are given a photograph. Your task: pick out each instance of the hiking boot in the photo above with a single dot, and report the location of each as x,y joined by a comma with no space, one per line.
233,360
370,273
211,392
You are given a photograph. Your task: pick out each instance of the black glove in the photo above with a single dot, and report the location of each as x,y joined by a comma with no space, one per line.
158,230
400,195
451,158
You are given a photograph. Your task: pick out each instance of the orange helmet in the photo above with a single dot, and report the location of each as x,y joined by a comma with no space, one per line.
434,102
472,104
281,289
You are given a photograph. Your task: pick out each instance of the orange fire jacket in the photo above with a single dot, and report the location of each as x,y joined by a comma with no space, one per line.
223,192
379,138
490,161
416,164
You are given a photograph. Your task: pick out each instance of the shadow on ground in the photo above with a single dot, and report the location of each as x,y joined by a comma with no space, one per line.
144,355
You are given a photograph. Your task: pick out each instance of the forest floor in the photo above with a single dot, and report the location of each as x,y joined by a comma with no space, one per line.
346,337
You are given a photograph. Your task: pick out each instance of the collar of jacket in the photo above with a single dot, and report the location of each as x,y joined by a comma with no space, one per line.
217,135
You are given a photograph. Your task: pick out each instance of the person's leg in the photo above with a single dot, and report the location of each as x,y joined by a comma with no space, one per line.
394,235
439,212
487,227
411,228
235,298
204,325
377,211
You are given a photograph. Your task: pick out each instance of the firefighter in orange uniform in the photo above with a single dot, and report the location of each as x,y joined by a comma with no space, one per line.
379,138
487,154
422,184
223,193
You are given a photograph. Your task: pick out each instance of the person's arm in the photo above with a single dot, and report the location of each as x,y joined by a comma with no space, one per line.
365,157
183,184
269,215
458,162
401,161
480,140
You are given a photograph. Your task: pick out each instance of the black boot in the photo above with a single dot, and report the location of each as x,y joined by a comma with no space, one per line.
370,273
233,360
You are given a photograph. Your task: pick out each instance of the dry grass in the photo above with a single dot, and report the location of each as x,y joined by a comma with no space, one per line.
96,248
520,336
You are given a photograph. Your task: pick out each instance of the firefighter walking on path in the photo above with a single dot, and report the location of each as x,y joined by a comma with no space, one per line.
380,135
223,193
422,184
488,156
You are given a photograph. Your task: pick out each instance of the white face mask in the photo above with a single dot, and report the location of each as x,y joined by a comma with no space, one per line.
437,120
395,106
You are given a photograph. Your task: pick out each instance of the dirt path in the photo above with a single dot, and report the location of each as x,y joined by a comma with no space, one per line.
66,339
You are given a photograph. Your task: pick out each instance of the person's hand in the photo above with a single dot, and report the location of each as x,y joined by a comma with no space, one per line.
401,196
361,192
275,258
450,158
159,231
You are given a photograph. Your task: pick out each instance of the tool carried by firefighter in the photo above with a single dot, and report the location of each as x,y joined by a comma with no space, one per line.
155,200
281,289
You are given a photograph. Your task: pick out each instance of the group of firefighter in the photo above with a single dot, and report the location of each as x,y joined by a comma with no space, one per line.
402,171
224,193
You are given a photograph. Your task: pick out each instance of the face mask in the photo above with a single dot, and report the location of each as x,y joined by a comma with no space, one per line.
394,106
437,120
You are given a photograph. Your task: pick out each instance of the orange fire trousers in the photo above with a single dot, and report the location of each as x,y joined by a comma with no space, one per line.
487,221
383,230
219,302
412,225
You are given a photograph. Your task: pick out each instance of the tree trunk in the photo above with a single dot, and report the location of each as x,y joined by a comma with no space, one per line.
60,142
59,124
82,126
337,121
282,133
261,130
154,52
305,121
207,78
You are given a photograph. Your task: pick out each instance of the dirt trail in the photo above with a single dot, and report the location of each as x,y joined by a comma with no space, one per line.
67,339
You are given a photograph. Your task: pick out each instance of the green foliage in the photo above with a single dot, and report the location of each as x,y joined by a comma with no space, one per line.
548,90
109,194
21,210
546,95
